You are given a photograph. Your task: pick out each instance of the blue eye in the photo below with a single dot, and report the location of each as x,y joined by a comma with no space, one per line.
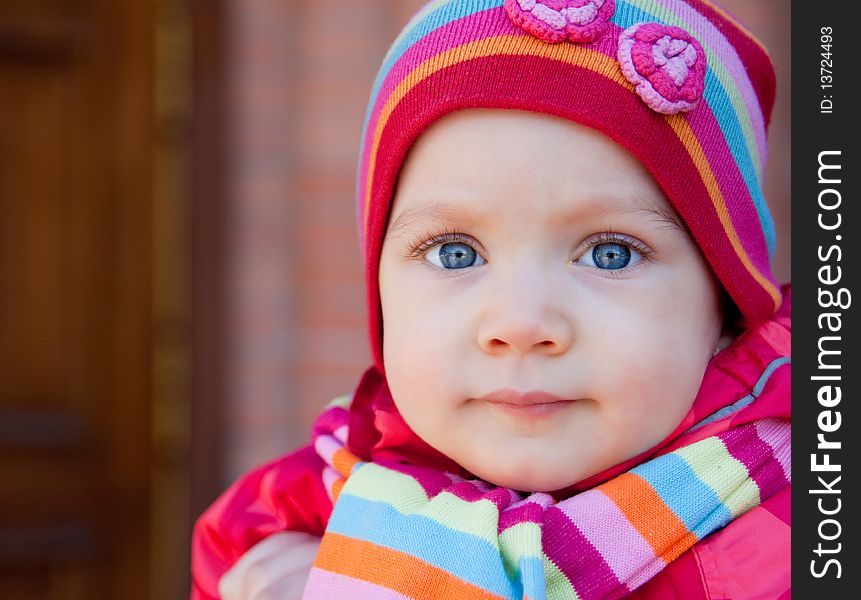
454,255
611,255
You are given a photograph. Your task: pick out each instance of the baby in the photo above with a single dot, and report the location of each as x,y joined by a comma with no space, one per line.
581,378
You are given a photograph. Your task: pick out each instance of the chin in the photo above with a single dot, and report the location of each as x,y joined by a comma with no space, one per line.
529,479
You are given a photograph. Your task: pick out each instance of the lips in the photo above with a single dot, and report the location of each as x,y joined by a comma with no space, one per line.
534,404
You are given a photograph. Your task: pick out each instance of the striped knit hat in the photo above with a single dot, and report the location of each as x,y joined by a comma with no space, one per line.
679,84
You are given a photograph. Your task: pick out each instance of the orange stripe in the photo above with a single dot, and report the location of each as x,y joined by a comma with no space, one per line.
394,570
646,511
689,140
337,486
343,461
678,548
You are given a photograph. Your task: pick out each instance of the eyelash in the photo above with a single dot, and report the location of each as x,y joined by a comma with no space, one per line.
612,236
420,244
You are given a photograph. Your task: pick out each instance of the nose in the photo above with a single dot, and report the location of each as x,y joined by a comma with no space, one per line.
525,317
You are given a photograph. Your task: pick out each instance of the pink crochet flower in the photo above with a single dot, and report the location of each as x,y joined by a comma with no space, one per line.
666,63
559,20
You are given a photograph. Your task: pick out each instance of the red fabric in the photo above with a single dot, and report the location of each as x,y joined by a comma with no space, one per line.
750,559
285,494
681,580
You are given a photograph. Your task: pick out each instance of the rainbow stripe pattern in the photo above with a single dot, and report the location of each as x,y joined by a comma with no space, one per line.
457,54
400,531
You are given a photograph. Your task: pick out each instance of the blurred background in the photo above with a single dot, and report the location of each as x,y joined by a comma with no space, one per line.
181,286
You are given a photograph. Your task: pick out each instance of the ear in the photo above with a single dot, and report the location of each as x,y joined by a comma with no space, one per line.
732,323
725,341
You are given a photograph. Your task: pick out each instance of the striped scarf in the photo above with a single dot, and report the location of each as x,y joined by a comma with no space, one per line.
399,531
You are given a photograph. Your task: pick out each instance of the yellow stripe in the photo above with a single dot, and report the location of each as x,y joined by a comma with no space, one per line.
686,136
340,402
731,482
519,541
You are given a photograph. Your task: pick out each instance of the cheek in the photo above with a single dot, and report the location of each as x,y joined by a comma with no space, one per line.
645,401
411,373
681,311
422,335
425,316
657,357
418,328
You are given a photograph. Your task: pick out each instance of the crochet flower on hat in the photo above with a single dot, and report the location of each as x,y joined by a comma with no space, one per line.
667,65
560,20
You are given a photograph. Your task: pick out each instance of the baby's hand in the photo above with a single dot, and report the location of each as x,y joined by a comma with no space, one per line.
276,568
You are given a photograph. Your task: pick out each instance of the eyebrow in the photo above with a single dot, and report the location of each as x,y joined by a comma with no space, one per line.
438,211
466,215
668,217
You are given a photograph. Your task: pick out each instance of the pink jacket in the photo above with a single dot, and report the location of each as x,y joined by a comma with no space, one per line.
747,560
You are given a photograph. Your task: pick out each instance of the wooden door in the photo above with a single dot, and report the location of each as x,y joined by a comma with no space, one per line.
75,295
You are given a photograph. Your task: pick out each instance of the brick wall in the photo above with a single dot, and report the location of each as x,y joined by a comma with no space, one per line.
299,74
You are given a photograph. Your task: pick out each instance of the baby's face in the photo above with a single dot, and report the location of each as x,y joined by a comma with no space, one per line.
527,253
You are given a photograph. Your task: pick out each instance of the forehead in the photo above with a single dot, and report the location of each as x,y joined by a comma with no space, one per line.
467,214
472,165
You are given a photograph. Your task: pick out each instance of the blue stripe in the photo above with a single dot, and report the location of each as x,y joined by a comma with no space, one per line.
742,402
771,368
425,539
682,491
716,519
726,410
628,14
716,96
532,574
